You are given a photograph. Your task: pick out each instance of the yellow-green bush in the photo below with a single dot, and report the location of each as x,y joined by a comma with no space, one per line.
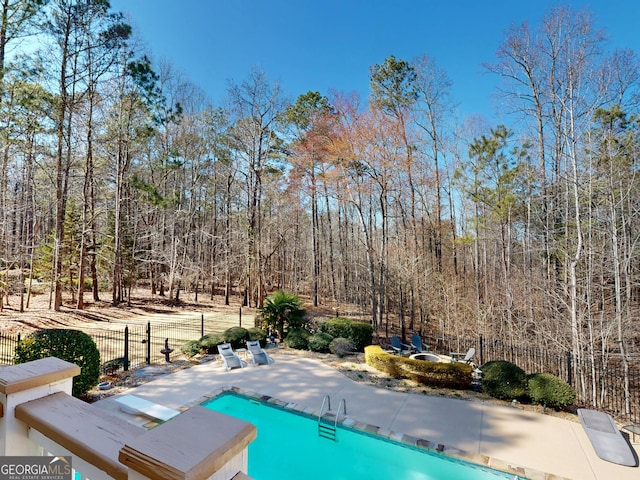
448,375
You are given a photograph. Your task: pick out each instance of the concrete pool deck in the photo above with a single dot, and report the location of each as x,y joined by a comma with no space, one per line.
516,437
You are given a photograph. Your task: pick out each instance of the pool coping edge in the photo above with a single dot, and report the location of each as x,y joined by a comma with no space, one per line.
420,443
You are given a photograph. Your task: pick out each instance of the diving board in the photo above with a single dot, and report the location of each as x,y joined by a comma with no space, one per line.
139,406
605,437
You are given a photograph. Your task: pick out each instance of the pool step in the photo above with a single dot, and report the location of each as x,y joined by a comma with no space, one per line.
326,430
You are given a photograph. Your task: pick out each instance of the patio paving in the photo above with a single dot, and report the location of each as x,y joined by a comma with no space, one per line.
516,437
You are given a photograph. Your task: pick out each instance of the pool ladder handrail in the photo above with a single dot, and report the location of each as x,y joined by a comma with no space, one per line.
325,401
343,404
327,430
324,430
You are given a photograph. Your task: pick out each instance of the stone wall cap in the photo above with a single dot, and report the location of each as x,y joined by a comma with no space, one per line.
191,446
83,429
24,376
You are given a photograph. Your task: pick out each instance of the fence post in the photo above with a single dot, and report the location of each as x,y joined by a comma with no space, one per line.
12,360
202,325
148,359
126,348
240,317
569,375
481,351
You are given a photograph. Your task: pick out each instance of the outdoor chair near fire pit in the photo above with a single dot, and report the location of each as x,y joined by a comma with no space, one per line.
398,347
416,343
463,357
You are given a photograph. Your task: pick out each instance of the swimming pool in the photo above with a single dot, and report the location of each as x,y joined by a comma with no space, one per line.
288,447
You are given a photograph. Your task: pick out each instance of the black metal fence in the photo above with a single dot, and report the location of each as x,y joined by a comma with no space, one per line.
602,383
607,385
136,345
7,348
143,344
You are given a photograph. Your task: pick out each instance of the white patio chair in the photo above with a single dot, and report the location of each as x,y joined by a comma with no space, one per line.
230,358
257,354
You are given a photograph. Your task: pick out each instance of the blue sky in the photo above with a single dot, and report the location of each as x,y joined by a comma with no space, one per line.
330,44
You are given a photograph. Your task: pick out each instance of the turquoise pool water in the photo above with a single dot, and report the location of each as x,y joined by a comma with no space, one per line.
288,448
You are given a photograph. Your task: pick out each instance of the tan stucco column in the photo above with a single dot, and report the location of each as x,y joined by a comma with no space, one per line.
22,383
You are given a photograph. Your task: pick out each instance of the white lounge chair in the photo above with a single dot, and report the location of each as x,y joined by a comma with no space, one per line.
139,406
230,358
463,357
257,354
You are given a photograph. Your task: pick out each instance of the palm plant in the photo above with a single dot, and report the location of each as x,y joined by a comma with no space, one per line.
282,310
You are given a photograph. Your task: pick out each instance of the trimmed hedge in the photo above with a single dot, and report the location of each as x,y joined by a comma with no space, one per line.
209,343
190,348
377,358
73,346
341,347
297,338
504,380
320,342
259,334
449,375
236,336
360,333
547,389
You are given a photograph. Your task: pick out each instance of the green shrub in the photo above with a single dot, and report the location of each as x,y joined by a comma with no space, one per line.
236,336
319,342
547,389
337,327
258,334
282,311
209,343
360,333
297,338
112,366
73,346
191,348
341,346
504,380
448,375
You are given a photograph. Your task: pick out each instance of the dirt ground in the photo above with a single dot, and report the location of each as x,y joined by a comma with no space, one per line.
143,306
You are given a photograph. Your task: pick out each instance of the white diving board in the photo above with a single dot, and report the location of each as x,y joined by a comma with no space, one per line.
139,406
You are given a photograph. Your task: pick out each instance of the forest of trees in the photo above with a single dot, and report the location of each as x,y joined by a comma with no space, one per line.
118,171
